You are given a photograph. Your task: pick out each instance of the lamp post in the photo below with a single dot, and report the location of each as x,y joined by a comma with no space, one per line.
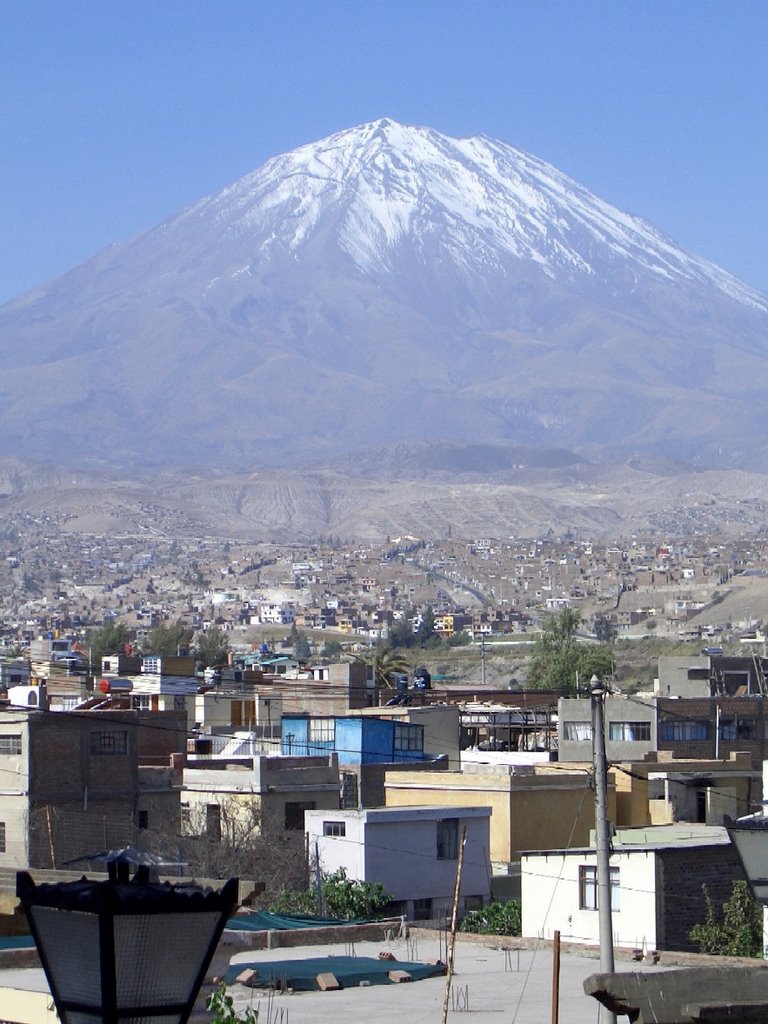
750,837
125,950
602,836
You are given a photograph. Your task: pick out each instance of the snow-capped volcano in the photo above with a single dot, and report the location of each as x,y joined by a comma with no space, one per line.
388,284
479,201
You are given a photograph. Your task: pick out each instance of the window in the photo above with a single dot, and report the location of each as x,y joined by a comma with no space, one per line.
10,743
109,741
294,814
141,702
588,888
213,821
577,731
684,729
736,729
422,910
185,818
629,732
409,738
348,789
448,839
2,837
322,730
179,702
142,819
334,828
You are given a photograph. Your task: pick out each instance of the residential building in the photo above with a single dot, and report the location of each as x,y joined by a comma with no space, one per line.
534,807
665,789
272,793
657,876
703,728
356,739
412,851
441,725
74,784
630,728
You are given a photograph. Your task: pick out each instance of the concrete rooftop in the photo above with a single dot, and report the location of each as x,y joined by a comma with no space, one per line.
515,983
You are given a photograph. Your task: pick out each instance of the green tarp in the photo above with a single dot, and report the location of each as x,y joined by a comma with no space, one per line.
349,971
264,921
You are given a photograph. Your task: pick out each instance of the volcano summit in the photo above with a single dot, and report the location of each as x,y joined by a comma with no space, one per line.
387,286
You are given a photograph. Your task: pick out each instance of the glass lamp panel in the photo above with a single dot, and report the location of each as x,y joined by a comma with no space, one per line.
78,1017
752,846
158,956
70,940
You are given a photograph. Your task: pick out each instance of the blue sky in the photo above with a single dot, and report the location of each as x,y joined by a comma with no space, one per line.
116,113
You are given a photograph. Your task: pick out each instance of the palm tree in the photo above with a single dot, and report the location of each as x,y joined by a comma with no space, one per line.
386,663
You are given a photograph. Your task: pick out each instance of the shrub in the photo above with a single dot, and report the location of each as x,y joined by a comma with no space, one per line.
494,919
343,898
739,933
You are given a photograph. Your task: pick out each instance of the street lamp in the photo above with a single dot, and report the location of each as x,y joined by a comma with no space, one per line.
750,837
125,950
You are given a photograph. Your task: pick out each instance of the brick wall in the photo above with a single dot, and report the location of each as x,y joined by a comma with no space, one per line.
746,711
680,874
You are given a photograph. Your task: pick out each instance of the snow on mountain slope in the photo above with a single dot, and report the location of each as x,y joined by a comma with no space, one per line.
387,285
483,200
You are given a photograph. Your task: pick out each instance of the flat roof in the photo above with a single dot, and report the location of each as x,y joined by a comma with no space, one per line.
407,813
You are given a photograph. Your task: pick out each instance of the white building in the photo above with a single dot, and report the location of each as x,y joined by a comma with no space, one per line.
277,614
412,851
656,887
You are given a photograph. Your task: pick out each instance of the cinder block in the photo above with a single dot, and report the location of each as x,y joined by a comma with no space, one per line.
247,977
327,982
399,976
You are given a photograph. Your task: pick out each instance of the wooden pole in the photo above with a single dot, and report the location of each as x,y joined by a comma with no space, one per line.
556,978
454,917
50,836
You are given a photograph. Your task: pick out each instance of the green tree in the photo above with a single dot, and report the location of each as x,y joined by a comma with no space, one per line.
401,634
560,660
738,932
211,646
386,663
460,639
167,640
605,631
426,629
111,638
332,648
301,648
503,918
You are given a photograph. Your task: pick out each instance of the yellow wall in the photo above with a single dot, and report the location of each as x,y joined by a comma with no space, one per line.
632,805
553,810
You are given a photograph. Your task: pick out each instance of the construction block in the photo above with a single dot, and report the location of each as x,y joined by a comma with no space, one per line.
247,977
399,976
327,982
386,955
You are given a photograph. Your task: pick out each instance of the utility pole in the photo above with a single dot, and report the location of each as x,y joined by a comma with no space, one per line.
482,659
602,838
